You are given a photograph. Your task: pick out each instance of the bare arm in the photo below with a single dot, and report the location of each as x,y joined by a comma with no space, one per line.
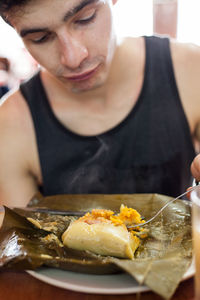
186,60
17,180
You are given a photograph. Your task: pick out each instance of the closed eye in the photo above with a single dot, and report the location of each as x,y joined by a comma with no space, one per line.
41,39
87,20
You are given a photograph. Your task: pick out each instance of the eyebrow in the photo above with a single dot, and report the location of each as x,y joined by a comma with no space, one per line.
68,15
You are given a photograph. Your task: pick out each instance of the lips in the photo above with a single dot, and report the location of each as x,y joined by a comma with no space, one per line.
83,76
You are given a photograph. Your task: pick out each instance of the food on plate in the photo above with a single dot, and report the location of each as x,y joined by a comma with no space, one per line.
104,233
165,255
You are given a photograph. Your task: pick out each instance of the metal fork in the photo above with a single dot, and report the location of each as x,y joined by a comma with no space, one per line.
166,205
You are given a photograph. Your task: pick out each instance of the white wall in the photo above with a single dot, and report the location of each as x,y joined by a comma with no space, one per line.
134,17
189,21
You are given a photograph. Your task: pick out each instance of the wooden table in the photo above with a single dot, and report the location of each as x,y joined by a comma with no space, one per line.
22,286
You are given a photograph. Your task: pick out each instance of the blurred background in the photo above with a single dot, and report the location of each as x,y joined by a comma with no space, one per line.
176,18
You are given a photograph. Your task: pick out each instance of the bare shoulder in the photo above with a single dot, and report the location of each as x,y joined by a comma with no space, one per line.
13,105
185,55
186,62
15,120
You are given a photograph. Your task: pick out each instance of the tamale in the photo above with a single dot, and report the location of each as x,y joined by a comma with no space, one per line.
104,233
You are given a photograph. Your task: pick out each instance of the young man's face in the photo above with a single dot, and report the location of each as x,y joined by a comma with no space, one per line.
72,39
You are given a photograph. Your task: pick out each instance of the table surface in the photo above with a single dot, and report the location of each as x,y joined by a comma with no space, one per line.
19,285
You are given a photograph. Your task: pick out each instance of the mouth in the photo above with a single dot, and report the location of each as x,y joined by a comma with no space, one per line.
83,76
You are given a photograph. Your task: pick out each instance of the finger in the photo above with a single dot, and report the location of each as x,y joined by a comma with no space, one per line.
188,194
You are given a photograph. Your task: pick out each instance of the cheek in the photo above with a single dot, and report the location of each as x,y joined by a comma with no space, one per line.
100,38
45,56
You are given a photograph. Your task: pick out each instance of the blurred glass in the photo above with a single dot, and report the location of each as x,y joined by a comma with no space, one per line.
165,14
195,197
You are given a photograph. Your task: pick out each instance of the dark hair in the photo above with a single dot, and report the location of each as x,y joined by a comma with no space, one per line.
6,5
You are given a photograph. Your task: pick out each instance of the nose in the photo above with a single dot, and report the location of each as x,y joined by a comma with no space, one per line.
72,52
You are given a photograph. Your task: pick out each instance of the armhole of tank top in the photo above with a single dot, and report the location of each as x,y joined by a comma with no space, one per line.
28,87
29,91
178,98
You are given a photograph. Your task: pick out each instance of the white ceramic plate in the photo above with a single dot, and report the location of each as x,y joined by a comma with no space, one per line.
96,284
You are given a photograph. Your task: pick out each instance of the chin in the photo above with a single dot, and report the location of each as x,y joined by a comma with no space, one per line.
88,85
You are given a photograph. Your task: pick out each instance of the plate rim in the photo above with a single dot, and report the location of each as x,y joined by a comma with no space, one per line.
98,290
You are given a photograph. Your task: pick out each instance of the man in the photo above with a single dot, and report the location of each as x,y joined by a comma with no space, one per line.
102,116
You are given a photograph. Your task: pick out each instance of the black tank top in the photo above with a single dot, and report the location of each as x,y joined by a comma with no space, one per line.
150,151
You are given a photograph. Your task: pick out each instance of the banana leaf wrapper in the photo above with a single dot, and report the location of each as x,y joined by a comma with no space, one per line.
160,261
